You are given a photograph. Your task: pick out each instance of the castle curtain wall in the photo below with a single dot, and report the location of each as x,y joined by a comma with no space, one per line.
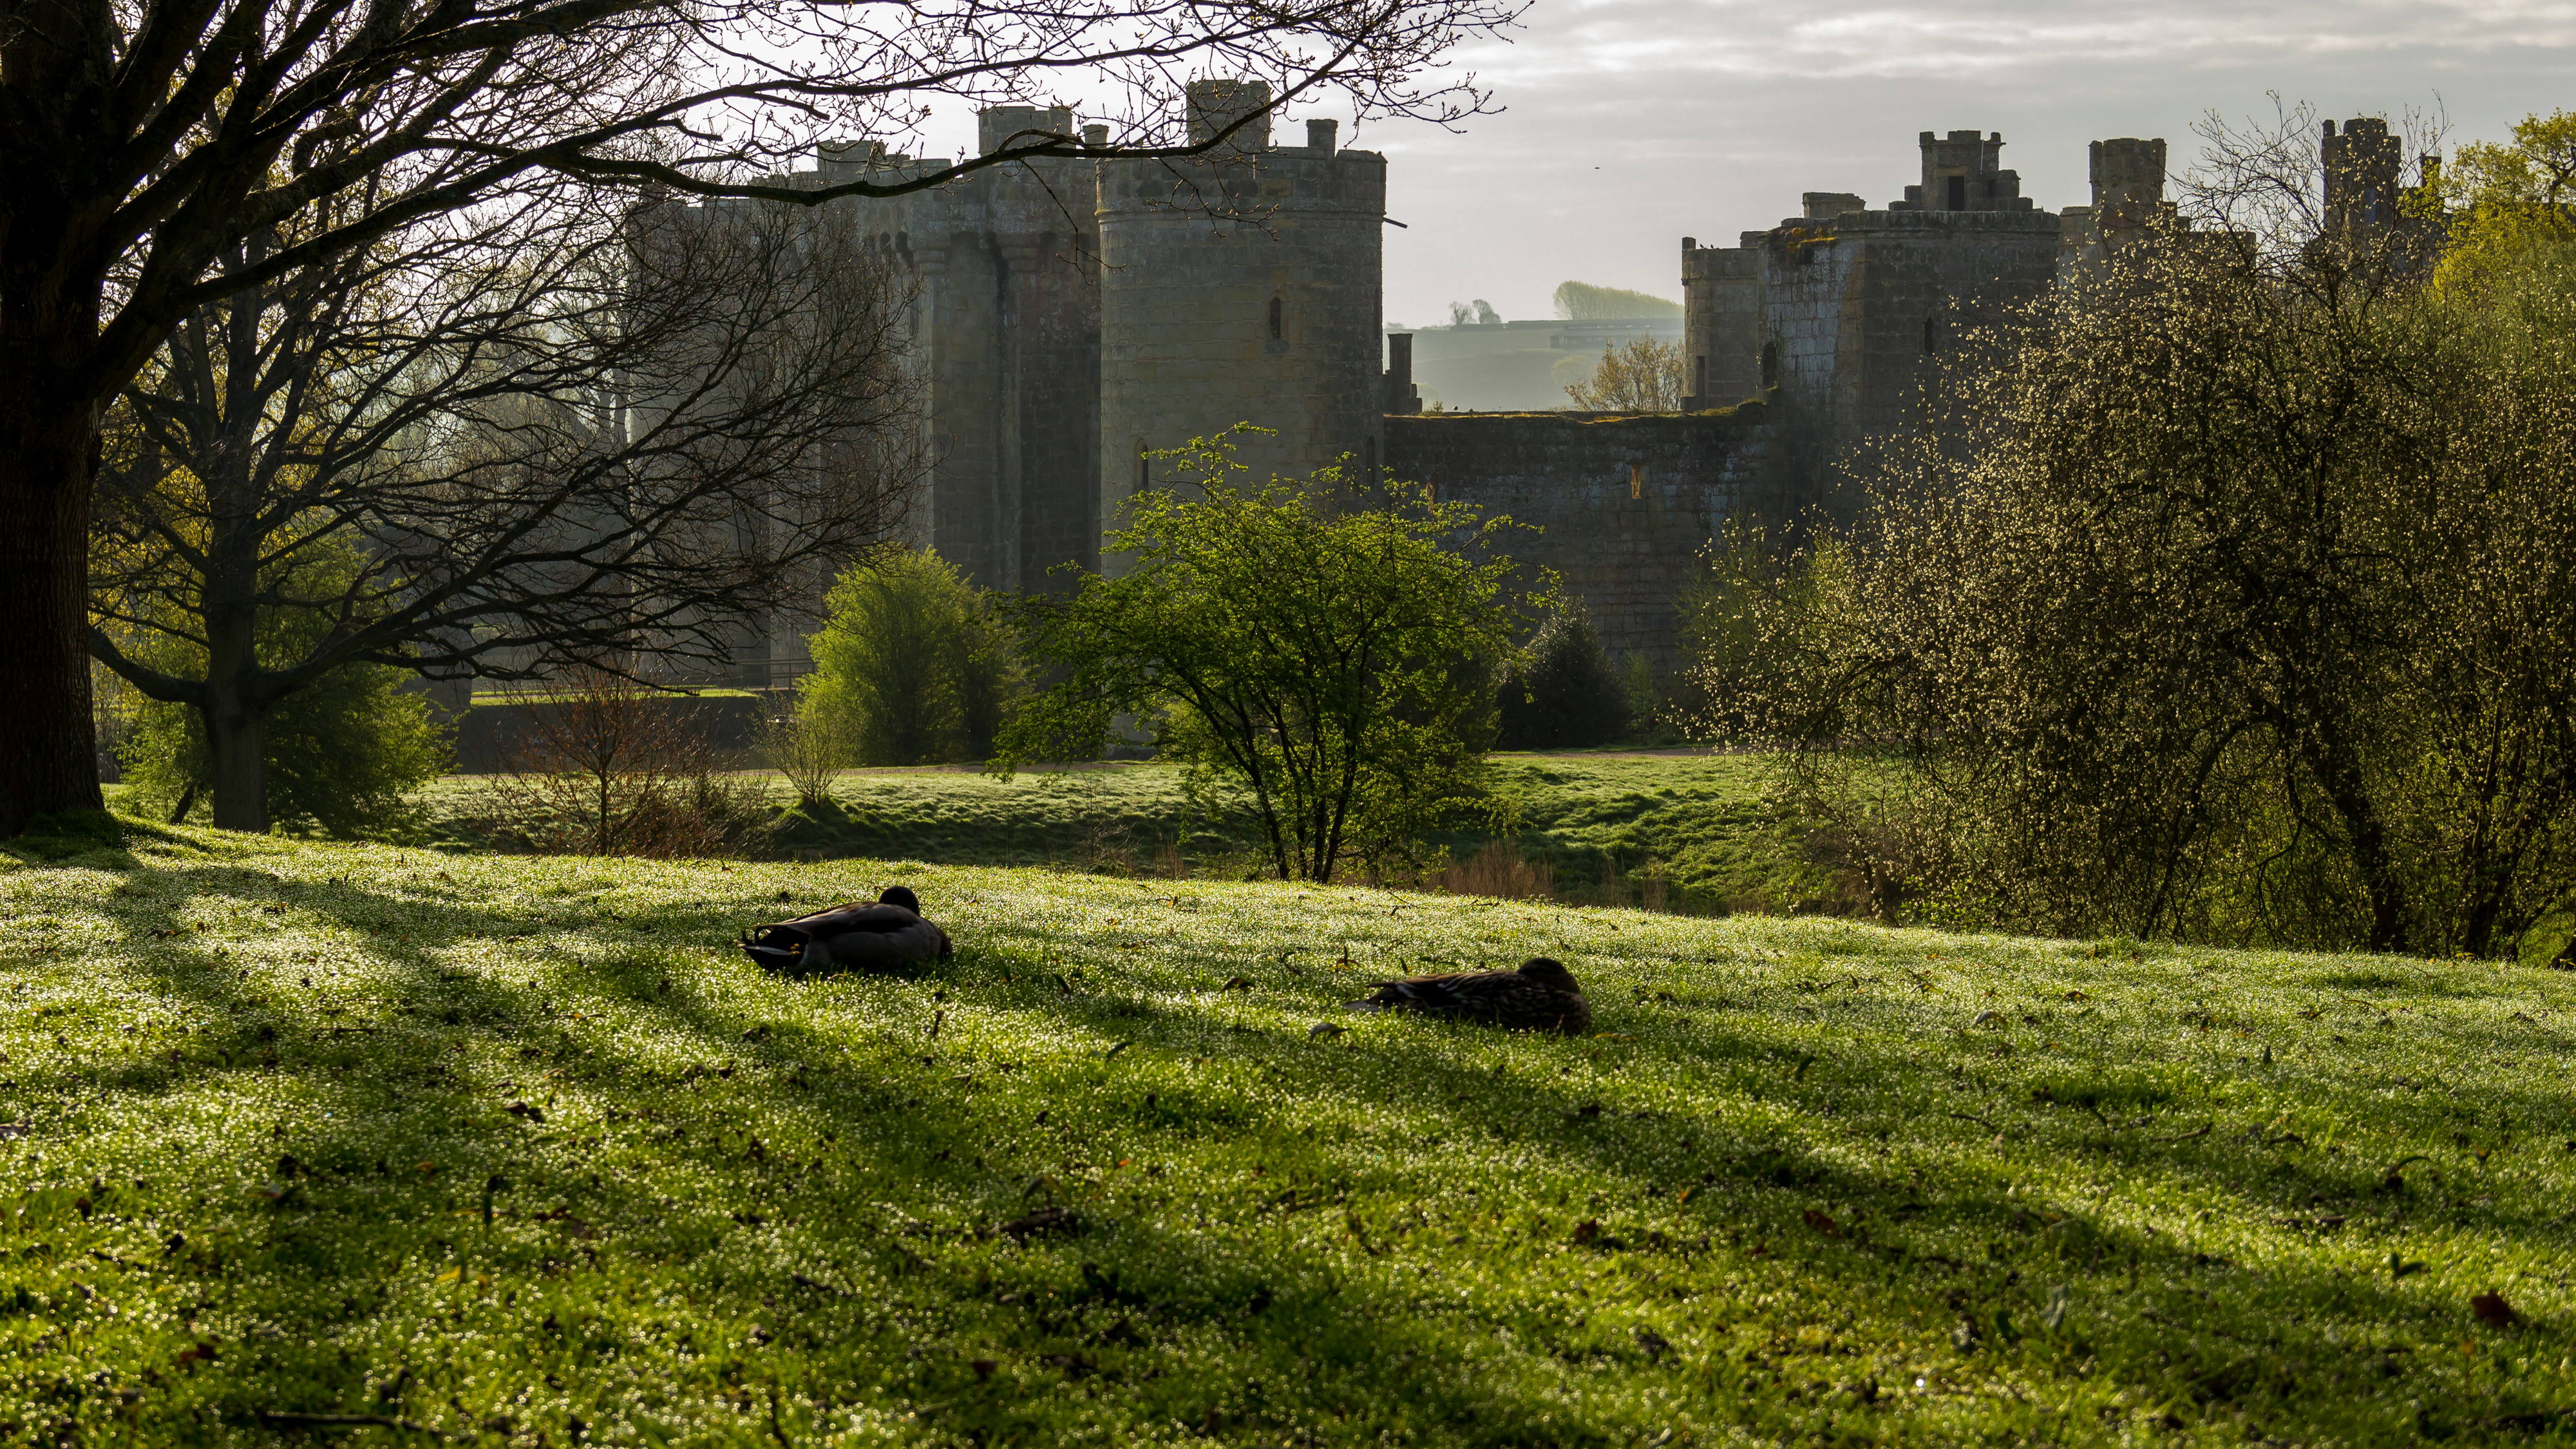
1625,507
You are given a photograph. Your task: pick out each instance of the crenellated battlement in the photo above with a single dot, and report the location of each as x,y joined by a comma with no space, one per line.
1242,286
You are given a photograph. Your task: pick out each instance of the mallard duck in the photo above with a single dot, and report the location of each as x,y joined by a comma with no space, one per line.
862,936
1541,996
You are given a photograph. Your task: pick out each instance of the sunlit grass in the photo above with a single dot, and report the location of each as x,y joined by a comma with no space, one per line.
1607,823
517,1148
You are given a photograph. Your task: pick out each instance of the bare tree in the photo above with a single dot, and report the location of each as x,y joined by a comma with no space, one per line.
1645,376
606,764
2263,178
549,430
150,152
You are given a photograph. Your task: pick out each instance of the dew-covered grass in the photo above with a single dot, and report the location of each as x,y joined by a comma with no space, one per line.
1608,823
371,1145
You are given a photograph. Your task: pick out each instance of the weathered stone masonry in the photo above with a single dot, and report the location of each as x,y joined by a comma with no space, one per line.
1074,314
1624,506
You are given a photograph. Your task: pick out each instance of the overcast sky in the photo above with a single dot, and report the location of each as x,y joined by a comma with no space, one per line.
1630,124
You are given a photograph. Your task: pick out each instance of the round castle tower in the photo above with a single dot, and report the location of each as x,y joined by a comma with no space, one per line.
1241,286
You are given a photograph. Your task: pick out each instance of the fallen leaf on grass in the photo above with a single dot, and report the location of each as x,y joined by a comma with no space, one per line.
2491,1309
522,1109
1237,983
1328,1030
1821,1222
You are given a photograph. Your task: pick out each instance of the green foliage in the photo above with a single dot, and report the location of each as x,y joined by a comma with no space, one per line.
1654,699
915,665
535,1145
1757,623
1643,376
343,753
1562,692
1327,661
1582,301
2509,227
2243,618
1703,825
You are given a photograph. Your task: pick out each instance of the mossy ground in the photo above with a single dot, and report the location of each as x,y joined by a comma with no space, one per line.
517,1150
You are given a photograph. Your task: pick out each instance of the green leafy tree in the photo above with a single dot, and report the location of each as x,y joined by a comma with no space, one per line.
1563,692
914,665
2241,614
341,754
2507,209
1329,661
1643,376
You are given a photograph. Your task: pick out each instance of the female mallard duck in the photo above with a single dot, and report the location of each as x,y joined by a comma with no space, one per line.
859,936
1541,996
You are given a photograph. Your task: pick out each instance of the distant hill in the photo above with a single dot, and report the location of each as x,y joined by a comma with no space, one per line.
1582,301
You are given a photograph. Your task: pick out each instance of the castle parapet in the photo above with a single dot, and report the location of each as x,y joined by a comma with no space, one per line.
1242,286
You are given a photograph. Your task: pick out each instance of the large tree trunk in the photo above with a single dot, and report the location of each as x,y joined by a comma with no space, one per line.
48,743
237,760
236,709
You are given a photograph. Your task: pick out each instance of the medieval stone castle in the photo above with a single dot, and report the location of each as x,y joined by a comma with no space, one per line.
1076,315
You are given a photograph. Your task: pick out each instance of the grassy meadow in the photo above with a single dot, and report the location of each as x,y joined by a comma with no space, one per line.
1608,824
376,1146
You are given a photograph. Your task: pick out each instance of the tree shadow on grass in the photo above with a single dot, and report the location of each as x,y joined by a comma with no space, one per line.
822,1191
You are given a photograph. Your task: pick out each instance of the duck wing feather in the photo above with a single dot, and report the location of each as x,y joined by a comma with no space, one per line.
1504,998
857,934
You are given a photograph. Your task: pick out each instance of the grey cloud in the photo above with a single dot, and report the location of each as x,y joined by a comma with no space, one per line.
1632,123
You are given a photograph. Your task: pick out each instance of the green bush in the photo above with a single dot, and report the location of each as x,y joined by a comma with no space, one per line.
1325,665
1563,694
914,666
343,753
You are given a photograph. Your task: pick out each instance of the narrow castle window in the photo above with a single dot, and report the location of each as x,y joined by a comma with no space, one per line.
1958,193
1931,334
1276,308
1636,480
1699,378
1770,364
